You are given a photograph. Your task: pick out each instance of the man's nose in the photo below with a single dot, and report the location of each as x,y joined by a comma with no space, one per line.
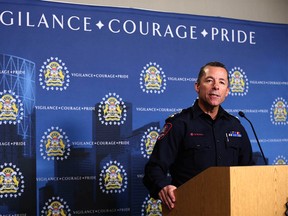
216,85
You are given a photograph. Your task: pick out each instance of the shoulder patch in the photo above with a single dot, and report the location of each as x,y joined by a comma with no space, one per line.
174,114
167,127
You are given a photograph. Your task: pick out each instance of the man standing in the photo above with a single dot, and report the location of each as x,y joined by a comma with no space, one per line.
198,137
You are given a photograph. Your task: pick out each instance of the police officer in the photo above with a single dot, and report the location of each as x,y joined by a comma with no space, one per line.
199,137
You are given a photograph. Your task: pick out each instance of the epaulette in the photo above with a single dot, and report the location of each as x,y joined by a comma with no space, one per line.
174,114
233,116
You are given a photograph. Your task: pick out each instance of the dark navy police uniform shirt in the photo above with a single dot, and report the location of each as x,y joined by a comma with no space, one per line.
190,142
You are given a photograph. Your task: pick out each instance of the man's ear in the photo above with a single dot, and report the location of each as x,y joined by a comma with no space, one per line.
227,92
196,86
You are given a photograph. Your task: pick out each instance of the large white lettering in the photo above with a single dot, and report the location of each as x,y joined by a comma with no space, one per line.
74,23
155,29
125,26
69,22
110,26
9,20
183,33
238,36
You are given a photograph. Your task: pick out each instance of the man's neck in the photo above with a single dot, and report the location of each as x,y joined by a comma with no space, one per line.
210,110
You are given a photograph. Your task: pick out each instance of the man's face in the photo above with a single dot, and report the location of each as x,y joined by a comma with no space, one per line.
213,87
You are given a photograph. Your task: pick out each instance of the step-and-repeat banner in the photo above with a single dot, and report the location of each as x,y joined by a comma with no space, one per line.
84,93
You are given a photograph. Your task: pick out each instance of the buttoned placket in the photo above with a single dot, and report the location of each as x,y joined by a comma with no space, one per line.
217,143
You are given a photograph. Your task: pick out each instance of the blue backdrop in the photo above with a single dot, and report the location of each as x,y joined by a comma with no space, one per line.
84,92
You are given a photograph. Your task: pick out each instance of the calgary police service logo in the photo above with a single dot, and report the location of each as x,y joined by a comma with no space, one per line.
238,82
148,141
11,108
56,206
55,144
113,178
152,79
278,112
11,181
151,207
112,110
54,75
280,160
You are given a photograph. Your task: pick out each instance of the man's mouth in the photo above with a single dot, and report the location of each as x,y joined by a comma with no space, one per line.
214,95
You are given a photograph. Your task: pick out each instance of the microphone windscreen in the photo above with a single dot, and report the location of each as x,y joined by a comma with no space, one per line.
241,114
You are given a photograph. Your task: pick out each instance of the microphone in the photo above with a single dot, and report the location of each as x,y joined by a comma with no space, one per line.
243,116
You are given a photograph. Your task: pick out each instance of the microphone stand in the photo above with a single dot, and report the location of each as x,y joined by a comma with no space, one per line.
243,115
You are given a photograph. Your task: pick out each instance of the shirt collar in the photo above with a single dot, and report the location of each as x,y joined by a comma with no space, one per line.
197,111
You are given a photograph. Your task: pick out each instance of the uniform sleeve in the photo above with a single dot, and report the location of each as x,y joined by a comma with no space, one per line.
162,157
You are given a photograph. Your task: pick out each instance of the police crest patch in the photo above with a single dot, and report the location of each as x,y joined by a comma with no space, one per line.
280,160
148,141
54,75
112,110
167,127
11,181
56,206
55,144
113,178
152,79
278,112
239,84
151,207
11,108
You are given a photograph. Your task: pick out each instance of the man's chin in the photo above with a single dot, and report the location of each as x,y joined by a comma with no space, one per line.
214,102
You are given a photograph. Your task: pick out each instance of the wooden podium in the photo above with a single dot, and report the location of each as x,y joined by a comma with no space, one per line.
234,191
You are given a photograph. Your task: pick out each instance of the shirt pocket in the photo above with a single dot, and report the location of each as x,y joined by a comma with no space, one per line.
198,146
199,152
232,150
197,143
233,143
